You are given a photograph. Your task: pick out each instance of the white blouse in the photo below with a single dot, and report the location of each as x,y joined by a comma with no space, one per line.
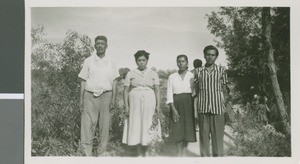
176,85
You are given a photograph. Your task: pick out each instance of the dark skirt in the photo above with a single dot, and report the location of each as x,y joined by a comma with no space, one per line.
262,113
184,129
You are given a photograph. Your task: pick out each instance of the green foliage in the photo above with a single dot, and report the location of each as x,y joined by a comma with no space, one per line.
240,34
239,31
55,92
255,139
55,98
165,74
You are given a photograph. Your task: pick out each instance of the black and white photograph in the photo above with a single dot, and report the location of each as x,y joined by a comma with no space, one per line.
158,81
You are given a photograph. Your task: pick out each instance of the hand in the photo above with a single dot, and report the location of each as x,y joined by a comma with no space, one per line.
175,116
194,96
112,105
155,119
126,112
196,115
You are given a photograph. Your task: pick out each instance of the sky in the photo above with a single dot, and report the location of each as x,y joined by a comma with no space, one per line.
164,32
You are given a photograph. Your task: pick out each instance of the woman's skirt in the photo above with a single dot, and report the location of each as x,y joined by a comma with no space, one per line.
184,129
261,113
138,126
261,116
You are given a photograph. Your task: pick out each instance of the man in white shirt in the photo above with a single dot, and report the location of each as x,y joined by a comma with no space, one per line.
98,76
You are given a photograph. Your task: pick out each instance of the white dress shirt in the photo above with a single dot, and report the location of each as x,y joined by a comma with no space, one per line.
99,73
177,85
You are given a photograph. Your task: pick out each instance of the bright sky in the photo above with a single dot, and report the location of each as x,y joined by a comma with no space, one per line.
164,32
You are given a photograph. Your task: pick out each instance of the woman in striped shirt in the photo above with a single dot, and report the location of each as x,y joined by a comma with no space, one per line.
179,97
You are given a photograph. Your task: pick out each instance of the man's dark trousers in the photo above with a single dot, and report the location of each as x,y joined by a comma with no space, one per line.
211,124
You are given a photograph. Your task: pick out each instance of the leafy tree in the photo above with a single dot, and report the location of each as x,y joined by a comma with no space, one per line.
266,24
239,32
55,92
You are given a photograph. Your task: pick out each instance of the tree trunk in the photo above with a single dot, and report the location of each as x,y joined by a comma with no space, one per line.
266,25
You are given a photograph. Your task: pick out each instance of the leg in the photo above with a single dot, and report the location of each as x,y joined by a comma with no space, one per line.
217,133
204,131
88,123
179,149
104,120
141,150
144,150
184,147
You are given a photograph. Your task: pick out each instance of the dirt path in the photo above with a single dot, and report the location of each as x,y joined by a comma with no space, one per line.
194,148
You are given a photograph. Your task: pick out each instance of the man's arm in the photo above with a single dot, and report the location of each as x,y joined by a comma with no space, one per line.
196,83
226,92
82,89
225,86
113,97
126,100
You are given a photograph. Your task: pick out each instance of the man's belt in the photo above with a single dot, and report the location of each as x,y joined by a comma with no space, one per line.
97,94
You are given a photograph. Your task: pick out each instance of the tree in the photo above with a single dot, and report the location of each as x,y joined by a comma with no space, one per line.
239,32
266,25
55,92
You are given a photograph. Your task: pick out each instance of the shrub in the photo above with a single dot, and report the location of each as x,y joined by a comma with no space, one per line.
255,139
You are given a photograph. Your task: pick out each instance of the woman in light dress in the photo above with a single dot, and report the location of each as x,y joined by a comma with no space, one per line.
142,103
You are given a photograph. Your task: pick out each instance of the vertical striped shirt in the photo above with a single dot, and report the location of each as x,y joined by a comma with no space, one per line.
210,97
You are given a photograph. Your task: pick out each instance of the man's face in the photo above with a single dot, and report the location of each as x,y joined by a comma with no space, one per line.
100,46
210,56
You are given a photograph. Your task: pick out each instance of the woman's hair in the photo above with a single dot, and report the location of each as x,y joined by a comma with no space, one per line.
182,56
141,53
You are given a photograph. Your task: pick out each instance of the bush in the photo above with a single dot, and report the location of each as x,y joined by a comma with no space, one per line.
255,139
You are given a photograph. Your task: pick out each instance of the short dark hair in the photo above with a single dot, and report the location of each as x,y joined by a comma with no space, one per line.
182,56
101,37
210,47
140,53
197,63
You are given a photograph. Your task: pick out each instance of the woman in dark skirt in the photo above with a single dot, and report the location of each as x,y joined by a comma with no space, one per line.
179,97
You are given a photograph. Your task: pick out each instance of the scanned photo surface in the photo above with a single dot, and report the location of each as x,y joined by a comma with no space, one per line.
160,82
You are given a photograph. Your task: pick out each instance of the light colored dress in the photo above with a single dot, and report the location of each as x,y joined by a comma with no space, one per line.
142,102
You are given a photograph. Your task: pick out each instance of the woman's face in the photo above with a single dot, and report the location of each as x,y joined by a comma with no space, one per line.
182,63
142,62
